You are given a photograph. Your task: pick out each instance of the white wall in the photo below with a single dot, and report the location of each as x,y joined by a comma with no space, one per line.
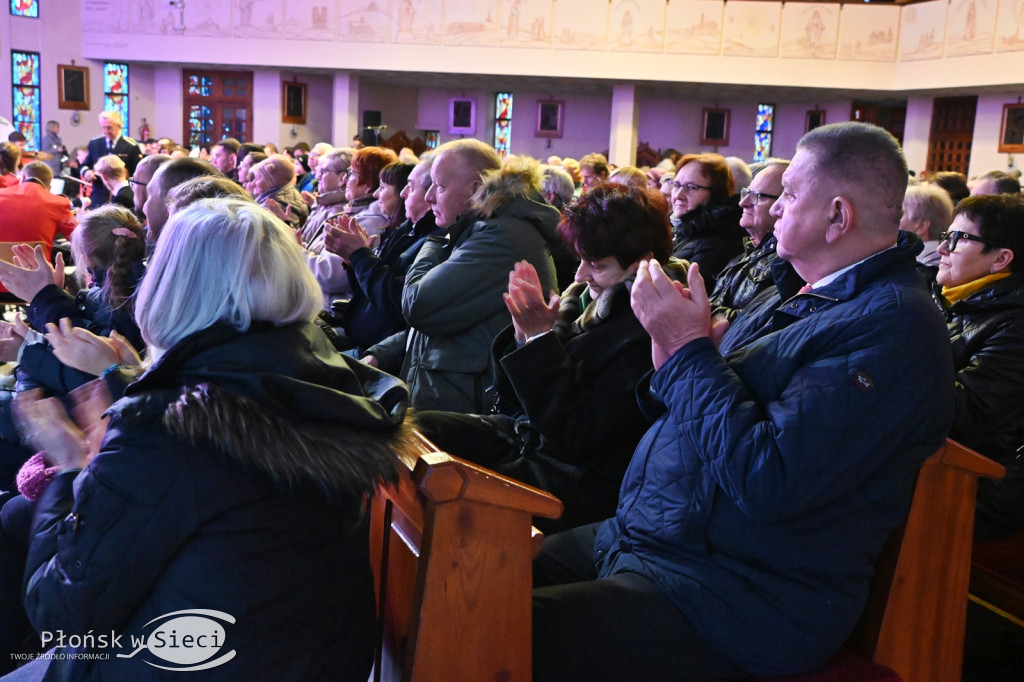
984,150
156,89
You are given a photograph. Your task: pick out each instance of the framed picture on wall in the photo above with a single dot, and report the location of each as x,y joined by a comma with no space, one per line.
550,115
815,119
1011,133
293,103
461,116
715,127
72,87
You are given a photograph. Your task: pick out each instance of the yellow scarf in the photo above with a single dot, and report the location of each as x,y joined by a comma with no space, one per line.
962,291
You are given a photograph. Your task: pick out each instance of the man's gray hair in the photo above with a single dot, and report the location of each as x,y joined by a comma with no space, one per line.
741,173
112,116
479,157
931,203
557,181
756,168
1004,182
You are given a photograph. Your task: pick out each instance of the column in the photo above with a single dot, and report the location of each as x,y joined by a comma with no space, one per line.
345,112
622,143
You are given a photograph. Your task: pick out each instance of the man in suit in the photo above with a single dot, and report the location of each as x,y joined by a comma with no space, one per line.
111,142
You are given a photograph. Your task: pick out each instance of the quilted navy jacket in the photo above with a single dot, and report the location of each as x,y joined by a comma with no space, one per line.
761,497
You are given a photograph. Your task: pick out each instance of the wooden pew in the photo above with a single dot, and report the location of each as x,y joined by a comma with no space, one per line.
916,613
997,577
452,547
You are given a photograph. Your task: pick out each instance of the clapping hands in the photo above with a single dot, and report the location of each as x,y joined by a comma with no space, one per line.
672,314
345,236
81,349
532,314
31,271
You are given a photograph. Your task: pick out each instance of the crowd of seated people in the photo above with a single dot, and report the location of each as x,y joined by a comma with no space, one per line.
719,329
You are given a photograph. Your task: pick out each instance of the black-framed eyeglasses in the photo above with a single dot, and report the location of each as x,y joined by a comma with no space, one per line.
755,197
133,181
689,187
953,237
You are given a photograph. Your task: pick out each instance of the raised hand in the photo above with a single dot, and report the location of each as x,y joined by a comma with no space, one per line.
532,314
672,314
30,272
12,336
281,214
82,350
345,236
45,424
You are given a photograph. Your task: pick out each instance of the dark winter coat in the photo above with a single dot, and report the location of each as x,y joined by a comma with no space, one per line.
230,479
987,332
744,277
710,236
375,309
573,392
778,467
453,294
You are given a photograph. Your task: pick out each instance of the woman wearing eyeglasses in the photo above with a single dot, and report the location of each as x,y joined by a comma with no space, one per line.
705,214
358,184
980,288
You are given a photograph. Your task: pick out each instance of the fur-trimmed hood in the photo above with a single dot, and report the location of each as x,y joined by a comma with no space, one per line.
293,455
520,178
280,402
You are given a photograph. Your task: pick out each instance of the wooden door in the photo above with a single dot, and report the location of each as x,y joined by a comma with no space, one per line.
218,104
949,145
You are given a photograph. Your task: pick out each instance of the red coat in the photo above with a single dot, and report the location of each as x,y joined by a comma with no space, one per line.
30,213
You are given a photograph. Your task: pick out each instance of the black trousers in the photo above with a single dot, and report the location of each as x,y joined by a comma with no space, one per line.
618,628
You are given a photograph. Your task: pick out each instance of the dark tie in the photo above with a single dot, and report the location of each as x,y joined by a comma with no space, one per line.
110,146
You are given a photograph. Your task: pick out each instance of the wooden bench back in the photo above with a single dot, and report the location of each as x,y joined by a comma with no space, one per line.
452,547
916,615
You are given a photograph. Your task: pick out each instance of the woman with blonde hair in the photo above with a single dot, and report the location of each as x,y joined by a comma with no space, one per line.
242,454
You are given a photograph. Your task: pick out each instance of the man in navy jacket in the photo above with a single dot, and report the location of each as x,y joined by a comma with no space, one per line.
110,142
755,507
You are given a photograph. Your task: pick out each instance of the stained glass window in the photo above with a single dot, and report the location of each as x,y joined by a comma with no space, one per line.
503,123
433,139
503,137
115,89
200,86
25,81
25,8
763,129
200,125
503,106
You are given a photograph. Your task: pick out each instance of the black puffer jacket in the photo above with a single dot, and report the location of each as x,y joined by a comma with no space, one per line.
709,236
744,277
231,480
987,332
573,393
